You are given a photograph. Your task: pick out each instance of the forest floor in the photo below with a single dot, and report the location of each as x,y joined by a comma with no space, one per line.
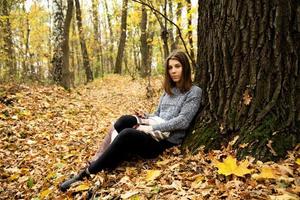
47,134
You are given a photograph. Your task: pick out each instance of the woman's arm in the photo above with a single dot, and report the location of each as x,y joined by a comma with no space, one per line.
186,115
157,111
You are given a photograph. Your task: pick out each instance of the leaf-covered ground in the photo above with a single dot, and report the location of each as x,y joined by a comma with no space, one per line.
47,134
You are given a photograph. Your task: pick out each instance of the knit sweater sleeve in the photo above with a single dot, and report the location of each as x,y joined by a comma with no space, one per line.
157,111
187,112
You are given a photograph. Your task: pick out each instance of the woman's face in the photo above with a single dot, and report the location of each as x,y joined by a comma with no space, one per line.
175,70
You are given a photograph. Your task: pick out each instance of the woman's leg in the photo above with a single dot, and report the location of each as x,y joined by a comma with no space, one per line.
128,141
125,121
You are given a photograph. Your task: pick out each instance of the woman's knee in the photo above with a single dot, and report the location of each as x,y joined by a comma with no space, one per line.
128,132
125,121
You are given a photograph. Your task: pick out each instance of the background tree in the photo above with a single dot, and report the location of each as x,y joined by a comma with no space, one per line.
97,37
119,59
8,50
248,67
144,44
85,55
190,30
111,37
60,60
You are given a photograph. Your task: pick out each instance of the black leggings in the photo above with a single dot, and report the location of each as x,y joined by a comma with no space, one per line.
129,141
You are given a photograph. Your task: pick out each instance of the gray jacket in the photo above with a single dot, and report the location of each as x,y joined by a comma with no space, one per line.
178,110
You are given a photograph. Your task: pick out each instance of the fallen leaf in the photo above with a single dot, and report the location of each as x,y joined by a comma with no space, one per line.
197,182
266,173
82,187
229,166
45,193
298,161
152,175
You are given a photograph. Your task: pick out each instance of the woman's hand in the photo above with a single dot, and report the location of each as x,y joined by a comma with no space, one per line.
144,121
140,114
146,129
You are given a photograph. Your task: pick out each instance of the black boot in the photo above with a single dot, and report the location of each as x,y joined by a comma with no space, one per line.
79,177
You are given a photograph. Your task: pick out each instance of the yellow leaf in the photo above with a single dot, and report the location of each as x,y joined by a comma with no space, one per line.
45,193
69,155
298,161
152,174
242,169
266,173
51,175
82,187
2,116
197,182
229,166
14,177
162,162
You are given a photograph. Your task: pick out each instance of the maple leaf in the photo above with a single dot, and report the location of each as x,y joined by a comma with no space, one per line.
229,166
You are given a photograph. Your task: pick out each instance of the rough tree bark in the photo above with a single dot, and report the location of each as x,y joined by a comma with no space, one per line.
85,55
122,41
248,68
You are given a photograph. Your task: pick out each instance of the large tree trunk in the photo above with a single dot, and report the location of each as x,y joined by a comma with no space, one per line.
61,74
248,68
119,59
85,56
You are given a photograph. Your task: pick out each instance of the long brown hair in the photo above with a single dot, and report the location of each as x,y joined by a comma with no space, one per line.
185,82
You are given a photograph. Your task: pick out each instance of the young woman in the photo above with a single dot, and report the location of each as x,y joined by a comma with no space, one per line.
149,135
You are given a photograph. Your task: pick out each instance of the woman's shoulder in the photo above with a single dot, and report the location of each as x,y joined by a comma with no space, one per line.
195,91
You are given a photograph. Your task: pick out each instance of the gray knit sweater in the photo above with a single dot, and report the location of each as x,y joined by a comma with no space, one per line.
178,110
